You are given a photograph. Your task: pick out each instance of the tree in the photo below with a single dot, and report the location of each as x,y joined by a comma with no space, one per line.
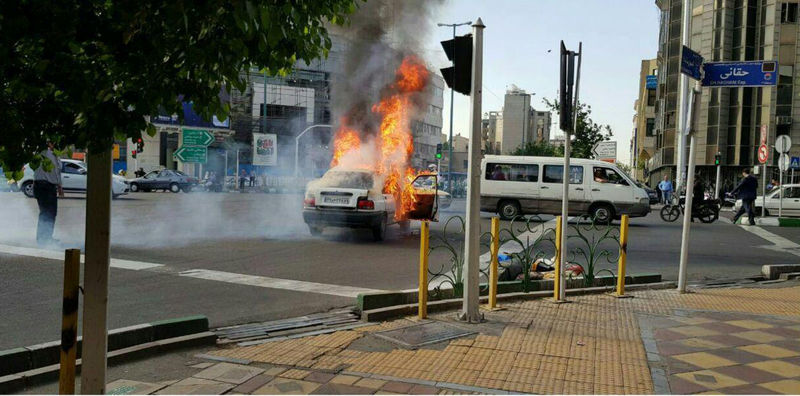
89,72
587,132
543,149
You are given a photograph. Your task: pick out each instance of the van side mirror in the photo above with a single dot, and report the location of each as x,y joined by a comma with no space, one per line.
426,193
82,171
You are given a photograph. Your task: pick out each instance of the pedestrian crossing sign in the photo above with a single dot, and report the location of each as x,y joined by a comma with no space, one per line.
795,163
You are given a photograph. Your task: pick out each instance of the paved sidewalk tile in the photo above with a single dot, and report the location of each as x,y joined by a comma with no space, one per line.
128,387
286,386
253,383
196,386
229,372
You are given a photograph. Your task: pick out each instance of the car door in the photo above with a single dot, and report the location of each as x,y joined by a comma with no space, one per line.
608,185
164,179
552,189
791,201
73,177
150,180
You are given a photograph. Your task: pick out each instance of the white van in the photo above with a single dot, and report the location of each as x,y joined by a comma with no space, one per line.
514,185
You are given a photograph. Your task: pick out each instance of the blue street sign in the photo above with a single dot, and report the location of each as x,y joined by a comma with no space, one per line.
795,163
651,82
740,74
691,63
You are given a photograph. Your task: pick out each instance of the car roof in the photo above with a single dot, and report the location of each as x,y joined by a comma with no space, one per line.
521,159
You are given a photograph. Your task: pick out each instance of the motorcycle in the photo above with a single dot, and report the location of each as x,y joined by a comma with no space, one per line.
707,211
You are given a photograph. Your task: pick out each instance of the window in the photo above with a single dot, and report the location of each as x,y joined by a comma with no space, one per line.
788,12
72,169
651,97
608,175
792,192
151,175
512,172
651,124
555,174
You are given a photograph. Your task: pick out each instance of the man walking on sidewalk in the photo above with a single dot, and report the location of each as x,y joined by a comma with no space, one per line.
746,191
46,189
666,189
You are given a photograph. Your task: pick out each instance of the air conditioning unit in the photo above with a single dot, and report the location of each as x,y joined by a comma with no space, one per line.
784,120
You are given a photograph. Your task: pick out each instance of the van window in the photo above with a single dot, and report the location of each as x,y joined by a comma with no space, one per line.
555,174
608,175
512,172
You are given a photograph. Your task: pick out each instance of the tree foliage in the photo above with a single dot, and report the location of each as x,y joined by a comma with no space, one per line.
587,132
88,72
543,149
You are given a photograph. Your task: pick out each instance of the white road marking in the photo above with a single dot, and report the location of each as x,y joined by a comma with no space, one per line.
779,243
275,283
58,255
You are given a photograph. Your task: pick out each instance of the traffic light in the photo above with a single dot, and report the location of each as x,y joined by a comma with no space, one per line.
439,151
133,154
459,51
717,158
139,145
565,88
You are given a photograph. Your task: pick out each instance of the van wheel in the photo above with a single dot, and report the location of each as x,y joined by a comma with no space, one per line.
602,214
508,210
379,231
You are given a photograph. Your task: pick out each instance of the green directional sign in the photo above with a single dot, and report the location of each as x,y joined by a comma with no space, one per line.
197,137
191,154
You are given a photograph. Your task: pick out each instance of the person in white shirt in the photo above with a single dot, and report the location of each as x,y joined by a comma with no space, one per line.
47,189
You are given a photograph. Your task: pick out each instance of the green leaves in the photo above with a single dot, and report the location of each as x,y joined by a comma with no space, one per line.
587,132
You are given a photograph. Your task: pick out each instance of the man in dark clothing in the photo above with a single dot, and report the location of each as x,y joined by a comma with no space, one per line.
746,191
46,189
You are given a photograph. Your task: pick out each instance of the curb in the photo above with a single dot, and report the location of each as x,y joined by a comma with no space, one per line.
33,361
386,313
377,300
773,271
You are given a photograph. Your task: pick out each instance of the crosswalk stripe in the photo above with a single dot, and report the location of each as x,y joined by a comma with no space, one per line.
59,255
275,283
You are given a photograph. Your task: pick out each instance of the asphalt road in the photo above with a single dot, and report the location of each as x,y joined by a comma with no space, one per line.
240,258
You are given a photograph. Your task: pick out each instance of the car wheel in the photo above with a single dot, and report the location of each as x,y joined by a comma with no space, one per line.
757,211
315,230
602,214
508,210
27,189
379,231
174,187
134,187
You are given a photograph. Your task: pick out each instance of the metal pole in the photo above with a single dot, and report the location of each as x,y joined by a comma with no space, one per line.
472,249
96,268
780,186
557,263
687,214
683,94
719,178
424,240
450,145
763,192
236,172
264,120
494,263
297,145
225,172
69,322
623,255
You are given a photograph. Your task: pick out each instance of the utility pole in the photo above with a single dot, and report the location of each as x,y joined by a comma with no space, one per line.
470,312
683,94
452,94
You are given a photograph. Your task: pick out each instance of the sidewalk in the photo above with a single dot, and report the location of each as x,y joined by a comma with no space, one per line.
732,340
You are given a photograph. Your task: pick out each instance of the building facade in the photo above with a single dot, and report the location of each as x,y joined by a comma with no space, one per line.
427,125
729,120
643,140
516,125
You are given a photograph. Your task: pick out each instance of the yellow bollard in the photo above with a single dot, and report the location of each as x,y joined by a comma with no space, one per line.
424,241
495,263
69,322
558,272
623,256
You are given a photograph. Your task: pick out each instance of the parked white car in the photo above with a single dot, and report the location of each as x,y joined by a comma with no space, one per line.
791,201
352,198
73,179
514,185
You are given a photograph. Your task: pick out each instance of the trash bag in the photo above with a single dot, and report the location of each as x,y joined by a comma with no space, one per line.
512,271
542,265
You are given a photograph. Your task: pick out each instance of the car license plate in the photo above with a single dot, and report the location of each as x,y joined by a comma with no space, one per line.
336,200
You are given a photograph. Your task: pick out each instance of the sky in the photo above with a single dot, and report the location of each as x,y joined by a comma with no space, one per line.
616,36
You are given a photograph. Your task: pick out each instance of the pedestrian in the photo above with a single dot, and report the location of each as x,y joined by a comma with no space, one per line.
746,191
47,189
252,178
666,189
242,179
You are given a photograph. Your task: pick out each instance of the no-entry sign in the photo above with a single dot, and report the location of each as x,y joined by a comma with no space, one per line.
763,154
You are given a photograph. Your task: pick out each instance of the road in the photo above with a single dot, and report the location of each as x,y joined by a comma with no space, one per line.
240,258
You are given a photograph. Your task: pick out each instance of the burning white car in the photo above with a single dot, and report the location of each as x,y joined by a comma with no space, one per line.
354,198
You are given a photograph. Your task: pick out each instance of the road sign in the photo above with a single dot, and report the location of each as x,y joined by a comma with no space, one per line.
651,82
197,137
691,63
783,143
783,162
763,134
605,150
191,154
763,154
740,74
794,163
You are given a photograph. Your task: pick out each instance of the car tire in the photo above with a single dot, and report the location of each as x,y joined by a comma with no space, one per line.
508,210
315,230
27,189
602,214
134,187
175,188
379,231
757,211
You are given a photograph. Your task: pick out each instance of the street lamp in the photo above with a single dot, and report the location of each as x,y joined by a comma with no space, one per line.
452,91
297,144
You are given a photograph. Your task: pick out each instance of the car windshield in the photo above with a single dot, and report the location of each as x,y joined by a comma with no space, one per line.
349,180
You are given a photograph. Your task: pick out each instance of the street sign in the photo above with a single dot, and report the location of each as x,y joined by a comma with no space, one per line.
763,134
783,143
740,74
191,154
691,63
794,163
783,162
763,154
605,150
651,82
197,137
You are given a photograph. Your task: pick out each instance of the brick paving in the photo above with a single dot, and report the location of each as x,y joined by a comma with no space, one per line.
730,341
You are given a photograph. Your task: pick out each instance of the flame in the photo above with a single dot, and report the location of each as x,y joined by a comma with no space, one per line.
394,141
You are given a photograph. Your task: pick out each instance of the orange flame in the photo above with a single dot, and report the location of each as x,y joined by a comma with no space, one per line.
394,142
